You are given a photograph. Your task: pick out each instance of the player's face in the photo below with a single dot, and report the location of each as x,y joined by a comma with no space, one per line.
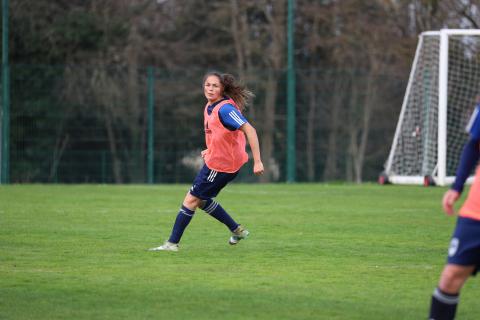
212,89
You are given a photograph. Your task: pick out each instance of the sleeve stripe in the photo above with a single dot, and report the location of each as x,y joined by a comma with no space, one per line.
236,118
472,120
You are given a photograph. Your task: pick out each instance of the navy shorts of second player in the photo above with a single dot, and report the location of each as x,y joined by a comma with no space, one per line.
208,183
465,243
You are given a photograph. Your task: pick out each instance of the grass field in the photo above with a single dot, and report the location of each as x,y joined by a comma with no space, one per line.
316,251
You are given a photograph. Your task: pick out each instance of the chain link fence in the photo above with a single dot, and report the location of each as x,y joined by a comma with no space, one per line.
90,124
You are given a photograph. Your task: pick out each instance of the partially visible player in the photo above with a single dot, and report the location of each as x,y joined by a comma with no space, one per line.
464,251
225,132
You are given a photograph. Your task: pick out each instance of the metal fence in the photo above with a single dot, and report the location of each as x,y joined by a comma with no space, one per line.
105,124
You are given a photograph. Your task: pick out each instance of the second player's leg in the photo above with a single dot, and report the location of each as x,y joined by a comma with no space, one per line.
453,277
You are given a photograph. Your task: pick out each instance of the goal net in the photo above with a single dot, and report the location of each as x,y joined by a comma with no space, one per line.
439,99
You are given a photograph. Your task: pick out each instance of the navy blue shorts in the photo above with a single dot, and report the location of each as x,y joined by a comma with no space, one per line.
208,183
465,243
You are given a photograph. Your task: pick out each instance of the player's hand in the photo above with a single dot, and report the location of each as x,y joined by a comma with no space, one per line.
449,198
203,153
258,168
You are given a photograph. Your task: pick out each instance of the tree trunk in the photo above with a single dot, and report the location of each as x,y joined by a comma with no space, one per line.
274,60
116,163
267,137
235,27
365,129
352,129
243,46
331,169
137,114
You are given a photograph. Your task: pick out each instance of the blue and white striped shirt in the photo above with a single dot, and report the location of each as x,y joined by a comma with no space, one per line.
230,117
473,127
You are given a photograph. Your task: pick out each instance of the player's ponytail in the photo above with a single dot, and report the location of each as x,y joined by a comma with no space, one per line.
235,90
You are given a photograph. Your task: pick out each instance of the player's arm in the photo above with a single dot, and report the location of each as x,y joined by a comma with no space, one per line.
252,138
468,161
232,119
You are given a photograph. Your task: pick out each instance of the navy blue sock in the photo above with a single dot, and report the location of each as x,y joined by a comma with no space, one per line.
183,219
443,305
214,209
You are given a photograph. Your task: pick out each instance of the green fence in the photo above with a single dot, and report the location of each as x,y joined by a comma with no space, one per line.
113,124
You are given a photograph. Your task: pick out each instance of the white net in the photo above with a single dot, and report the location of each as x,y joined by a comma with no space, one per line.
416,146
414,151
463,87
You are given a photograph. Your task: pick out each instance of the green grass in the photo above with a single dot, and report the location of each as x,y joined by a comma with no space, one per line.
316,251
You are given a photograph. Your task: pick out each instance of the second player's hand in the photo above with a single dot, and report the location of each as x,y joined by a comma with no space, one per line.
449,199
258,168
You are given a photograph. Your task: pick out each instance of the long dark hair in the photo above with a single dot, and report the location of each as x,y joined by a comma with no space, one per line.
233,89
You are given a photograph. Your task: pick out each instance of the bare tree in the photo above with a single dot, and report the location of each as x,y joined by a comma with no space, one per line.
274,59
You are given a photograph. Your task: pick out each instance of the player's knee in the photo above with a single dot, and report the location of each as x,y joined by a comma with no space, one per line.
449,276
203,204
192,202
209,206
452,279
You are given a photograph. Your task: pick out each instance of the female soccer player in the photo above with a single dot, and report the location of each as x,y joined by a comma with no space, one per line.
225,132
464,250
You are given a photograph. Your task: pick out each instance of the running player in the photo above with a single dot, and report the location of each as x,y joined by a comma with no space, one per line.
464,251
225,132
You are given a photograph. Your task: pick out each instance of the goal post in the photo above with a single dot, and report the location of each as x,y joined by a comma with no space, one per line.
440,96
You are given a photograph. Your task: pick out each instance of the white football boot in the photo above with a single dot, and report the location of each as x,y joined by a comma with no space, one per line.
238,234
167,246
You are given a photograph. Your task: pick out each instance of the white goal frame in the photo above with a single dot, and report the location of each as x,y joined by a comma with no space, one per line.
439,176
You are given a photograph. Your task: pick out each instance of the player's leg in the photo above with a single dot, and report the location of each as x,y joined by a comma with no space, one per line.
463,259
214,209
207,187
184,216
446,296
453,277
190,203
